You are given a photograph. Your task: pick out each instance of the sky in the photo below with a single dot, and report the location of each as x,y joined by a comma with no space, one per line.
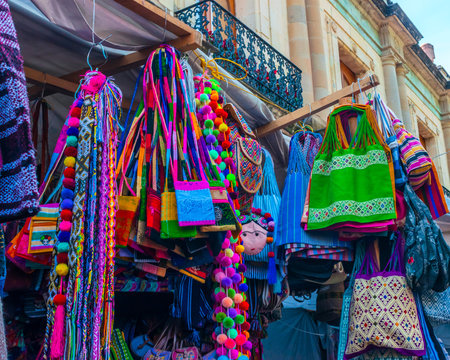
432,19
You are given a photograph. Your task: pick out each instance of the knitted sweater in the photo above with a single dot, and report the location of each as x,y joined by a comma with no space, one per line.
18,181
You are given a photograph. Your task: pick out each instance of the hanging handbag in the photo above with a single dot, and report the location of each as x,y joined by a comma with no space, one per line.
416,159
436,306
247,158
383,311
43,229
119,347
365,163
427,254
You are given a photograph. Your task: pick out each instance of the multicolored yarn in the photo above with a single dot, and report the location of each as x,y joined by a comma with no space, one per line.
91,202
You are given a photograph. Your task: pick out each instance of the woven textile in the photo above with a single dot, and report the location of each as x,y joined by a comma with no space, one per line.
18,182
383,311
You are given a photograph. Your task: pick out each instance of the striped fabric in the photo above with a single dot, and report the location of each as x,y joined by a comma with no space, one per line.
320,252
416,159
18,181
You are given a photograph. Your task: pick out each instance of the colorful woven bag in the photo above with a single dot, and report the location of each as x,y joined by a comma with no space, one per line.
383,311
416,159
358,178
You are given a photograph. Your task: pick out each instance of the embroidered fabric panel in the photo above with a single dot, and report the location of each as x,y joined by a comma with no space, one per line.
383,313
352,208
251,149
359,162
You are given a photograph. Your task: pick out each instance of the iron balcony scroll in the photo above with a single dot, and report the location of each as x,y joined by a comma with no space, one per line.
269,72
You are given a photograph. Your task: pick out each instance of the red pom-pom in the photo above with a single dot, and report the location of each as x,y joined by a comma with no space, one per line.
226,144
66,214
213,105
59,299
62,258
69,183
257,211
267,215
69,173
271,254
245,326
270,228
75,112
230,344
240,339
244,305
71,151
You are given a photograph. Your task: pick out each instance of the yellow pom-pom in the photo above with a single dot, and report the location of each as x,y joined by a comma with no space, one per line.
69,161
229,252
269,239
62,269
223,127
240,249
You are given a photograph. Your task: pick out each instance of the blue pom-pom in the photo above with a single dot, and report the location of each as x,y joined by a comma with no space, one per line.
243,287
73,131
67,194
79,103
64,236
67,204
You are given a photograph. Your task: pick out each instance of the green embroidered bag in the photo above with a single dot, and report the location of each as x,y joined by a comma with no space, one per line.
351,182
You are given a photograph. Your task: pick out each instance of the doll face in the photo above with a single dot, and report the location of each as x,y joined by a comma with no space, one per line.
254,238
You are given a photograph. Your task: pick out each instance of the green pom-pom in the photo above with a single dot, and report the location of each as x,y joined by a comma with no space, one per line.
239,319
72,141
231,177
233,240
221,317
207,132
216,132
223,155
222,166
63,247
218,290
214,154
214,81
228,322
219,89
234,183
238,213
209,124
207,90
232,333
204,97
216,143
231,293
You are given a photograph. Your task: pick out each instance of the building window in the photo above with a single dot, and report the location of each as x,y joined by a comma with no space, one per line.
347,75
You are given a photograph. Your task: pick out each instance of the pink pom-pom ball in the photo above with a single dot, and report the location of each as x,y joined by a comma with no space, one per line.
221,351
247,345
228,234
74,122
226,243
225,262
216,271
234,354
238,298
219,276
220,296
230,271
228,161
240,339
221,339
220,257
271,223
235,259
226,183
227,302
214,336
205,109
65,225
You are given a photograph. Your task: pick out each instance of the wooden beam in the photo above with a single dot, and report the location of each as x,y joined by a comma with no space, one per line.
156,15
135,59
317,106
60,85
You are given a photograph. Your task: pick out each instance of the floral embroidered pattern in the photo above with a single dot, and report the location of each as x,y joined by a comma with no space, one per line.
383,313
352,208
359,162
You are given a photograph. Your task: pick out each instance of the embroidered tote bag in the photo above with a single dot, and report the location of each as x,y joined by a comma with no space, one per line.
351,182
383,312
43,229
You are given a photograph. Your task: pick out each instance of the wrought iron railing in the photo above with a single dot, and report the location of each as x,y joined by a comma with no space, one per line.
269,72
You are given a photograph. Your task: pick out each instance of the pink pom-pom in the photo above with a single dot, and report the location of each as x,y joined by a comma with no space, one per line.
235,259
247,345
65,225
216,271
220,257
228,234
271,223
221,339
74,122
230,271
214,336
226,243
221,351
228,161
57,340
238,298
227,302
226,261
226,183
240,339
230,344
234,354
220,296
219,276
205,109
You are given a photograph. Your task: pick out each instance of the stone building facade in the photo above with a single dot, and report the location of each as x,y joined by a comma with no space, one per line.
335,42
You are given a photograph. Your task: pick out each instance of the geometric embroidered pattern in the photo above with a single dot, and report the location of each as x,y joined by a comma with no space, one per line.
359,162
383,313
349,207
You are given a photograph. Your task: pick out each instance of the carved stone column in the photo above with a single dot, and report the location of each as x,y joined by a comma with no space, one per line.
391,84
403,93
